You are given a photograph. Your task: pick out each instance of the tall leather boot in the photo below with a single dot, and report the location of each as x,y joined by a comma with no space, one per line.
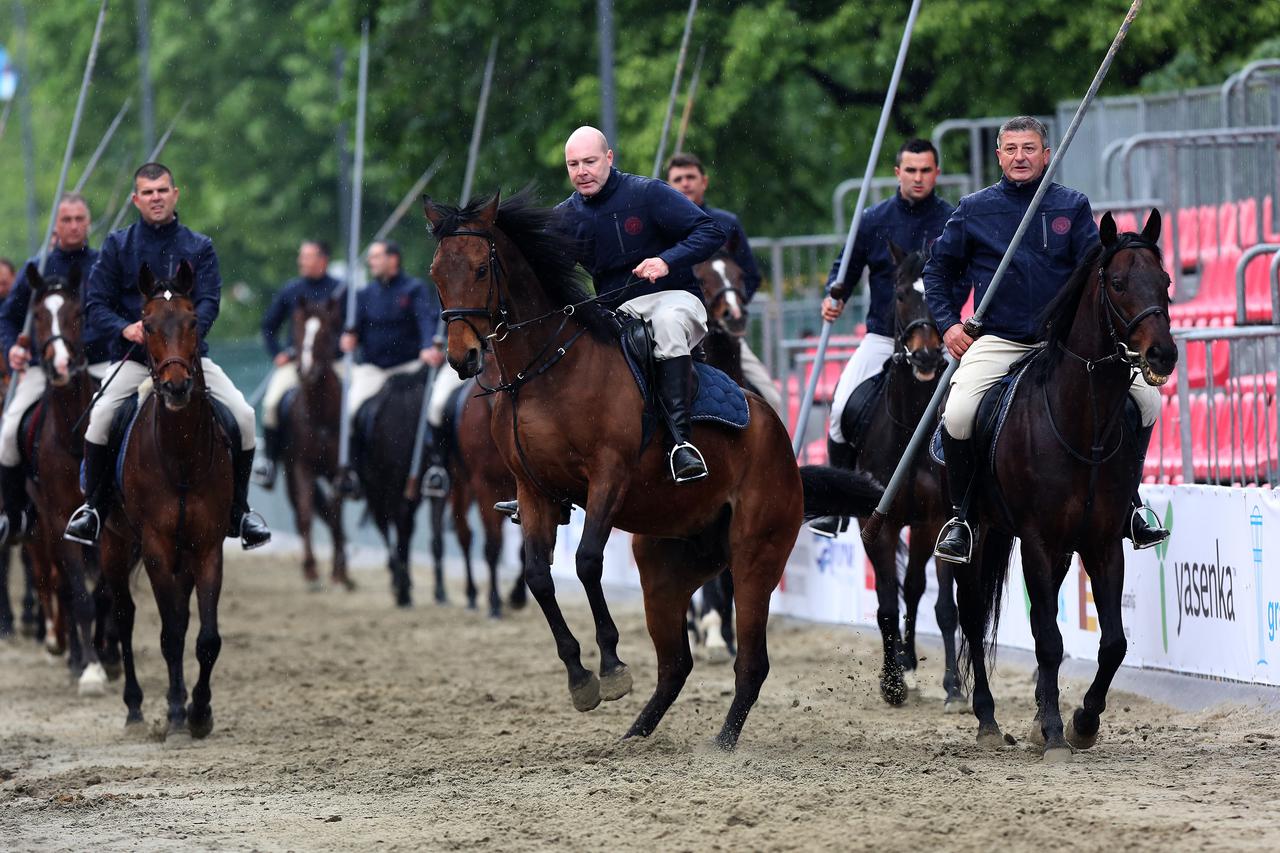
85,523
1138,531
245,523
955,542
675,391
15,522
264,471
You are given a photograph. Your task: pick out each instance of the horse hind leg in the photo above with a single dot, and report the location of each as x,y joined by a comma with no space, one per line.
944,610
913,586
492,556
462,530
615,676
1043,577
991,547
1106,575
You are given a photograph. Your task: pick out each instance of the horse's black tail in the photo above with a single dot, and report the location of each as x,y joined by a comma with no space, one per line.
991,570
835,491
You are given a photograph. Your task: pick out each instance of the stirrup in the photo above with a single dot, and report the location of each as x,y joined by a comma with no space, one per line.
1137,515
436,482
942,534
671,462
244,519
511,509
83,512
827,526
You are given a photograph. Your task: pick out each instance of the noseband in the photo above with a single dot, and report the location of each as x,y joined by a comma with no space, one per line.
1104,297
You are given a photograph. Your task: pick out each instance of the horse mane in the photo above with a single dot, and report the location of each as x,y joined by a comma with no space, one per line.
549,249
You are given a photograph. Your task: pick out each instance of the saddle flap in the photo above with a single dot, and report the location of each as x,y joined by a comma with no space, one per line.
856,417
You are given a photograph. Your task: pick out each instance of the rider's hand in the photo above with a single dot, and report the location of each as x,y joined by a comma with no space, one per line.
433,356
832,309
348,341
133,333
957,340
651,269
19,358
282,358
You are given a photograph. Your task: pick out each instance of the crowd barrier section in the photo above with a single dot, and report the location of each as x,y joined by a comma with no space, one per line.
1206,603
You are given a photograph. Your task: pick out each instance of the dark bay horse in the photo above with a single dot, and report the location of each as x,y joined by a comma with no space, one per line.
68,568
174,504
1064,474
310,436
568,423
909,380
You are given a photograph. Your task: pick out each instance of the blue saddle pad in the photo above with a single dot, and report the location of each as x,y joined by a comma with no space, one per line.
718,399
992,411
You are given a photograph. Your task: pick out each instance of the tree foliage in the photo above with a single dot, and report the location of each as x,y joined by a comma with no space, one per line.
789,99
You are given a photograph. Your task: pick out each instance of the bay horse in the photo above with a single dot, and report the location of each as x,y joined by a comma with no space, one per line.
310,436
53,450
909,380
174,501
568,423
1064,475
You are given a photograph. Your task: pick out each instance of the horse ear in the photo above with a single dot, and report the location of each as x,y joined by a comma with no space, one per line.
490,213
185,281
896,253
1151,231
34,280
146,281
73,277
435,217
1107,229
733,243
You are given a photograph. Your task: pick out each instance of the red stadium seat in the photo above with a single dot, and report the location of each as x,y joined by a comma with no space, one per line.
1229,225
1126,221
1207,231
1257,289
1188,238
1248,223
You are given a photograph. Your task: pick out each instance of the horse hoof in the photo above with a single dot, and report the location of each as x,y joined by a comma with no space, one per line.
586,695
1035,734
1057,755
495,610
200,725
955,705
93,681
615,684
345,582
314,585
114,670
1077,740
136,729
178,725
442,597
909,680
471,604
990,738
893,689
726,742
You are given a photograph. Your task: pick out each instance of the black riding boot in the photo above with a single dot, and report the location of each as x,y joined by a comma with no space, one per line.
85,523
675,391
839,455
264,472
1138,531
245,523
955,542
435,482
15,522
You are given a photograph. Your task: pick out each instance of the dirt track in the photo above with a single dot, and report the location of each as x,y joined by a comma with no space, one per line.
344,724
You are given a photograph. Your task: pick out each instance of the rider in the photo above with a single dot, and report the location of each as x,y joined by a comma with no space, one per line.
113,306
640,240
395,329
967,254
685,173
313,284
70,249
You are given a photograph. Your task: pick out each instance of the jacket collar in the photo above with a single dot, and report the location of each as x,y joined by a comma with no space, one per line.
908,206
391,282
1026,188
610,187
161,231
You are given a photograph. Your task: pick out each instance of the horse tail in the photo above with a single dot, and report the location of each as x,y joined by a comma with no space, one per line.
993,553
836,491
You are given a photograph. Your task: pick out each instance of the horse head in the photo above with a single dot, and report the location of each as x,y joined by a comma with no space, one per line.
57,323
722,289
916,335
172,335
466,271
1134,288
315,326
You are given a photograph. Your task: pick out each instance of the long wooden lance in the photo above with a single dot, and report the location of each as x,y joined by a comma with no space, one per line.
806,405
689,98
151,157
974,324
675,87
102,146
353,245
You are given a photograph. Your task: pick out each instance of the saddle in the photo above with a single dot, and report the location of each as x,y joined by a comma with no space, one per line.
366,416
993,409
856,417
717,398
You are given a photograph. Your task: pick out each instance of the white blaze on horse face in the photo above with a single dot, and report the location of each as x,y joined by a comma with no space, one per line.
730,297
918,285
61,355
309,330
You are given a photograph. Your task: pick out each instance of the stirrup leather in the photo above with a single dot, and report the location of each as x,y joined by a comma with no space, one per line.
942,534
1136,515
84,511
671,462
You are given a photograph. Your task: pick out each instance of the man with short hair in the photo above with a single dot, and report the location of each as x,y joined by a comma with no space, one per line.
395,330
70,251
7,275
966,255
113,306
313,284
686,173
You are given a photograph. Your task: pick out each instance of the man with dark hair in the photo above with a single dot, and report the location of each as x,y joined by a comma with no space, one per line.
395,330
7,275
967,255
686,174
69,253
313,284
113,306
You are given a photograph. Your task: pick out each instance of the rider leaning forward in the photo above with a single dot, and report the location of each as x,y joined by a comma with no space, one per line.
966,255
113,305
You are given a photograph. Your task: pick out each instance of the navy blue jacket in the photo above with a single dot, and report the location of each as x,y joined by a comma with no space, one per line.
13,313
295,291
912,227
739,248
634,218
395,320
975,239
113,300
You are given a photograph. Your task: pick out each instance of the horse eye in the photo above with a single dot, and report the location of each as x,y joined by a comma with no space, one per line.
481,272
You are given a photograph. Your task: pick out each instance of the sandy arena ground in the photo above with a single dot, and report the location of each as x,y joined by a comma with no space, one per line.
344,724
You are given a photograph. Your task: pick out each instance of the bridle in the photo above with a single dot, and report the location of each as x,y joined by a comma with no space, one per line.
79,363
1109,310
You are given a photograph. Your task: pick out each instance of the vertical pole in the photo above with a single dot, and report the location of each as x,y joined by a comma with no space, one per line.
25,84
477,129
688,101
608,109
353,243
148,113
343,151
102,146
675,88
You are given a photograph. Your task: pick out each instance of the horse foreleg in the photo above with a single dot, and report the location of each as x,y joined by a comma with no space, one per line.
944,609
913,586
615,677
45,576
458,504
883,556
1043,576
32,617
115,559
331,511
208,584
665,571
83,610
6,610
302,496
1106,575
173,600
492,523
402,571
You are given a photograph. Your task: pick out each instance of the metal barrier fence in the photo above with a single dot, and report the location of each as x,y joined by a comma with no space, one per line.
1249,286
951,186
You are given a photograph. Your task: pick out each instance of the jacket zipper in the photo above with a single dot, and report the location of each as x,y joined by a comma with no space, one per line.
1044,231
618,230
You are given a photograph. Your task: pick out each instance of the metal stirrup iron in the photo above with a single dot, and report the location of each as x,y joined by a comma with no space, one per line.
671,462
947,528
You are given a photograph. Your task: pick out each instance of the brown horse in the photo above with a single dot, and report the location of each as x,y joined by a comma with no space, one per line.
310,436
568,422
174,504
1065,475
66,569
